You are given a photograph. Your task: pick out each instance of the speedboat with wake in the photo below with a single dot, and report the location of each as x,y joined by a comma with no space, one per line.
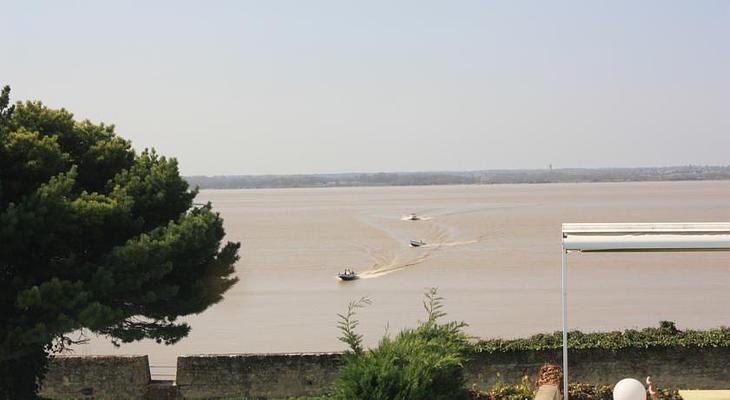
348,275
417,243
413,217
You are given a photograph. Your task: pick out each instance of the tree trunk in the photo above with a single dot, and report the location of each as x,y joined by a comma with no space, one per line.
21,376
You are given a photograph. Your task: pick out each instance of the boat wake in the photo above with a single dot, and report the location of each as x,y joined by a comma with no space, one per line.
400,255
377,271
451,244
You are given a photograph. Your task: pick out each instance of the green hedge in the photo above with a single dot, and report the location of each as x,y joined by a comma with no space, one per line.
665,336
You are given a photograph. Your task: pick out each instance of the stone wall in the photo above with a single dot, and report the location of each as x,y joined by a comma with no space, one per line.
256,375
282,375
677,367
97,377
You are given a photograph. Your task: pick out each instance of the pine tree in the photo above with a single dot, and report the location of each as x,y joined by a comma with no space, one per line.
94,235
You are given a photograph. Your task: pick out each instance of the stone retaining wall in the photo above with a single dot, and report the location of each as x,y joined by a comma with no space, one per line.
256,375
676,367
97,377
282,375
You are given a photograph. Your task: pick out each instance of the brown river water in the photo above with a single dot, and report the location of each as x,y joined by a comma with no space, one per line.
493,251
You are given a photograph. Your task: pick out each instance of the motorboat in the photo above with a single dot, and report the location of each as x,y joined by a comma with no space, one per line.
413,217
417,243
348,275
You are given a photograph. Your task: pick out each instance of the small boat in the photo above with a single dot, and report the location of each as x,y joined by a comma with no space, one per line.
413,217
348,275
417,243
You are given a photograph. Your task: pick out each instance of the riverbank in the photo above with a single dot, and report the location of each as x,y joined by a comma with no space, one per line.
481,177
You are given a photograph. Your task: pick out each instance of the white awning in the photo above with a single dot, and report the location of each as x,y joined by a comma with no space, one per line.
615,237
695,236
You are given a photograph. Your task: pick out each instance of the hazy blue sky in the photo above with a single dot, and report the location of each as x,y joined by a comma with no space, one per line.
249,87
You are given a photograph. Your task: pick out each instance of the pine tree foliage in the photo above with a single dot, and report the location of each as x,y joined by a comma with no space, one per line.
95,235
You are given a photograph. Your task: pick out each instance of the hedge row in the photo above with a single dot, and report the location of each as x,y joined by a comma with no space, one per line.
665,336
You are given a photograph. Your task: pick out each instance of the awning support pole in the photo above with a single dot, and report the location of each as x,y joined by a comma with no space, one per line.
564,289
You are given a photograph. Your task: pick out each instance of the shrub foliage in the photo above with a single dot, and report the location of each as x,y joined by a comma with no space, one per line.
424,363
666,335
525,390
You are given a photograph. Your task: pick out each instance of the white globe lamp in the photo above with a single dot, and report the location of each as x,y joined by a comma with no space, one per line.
629,389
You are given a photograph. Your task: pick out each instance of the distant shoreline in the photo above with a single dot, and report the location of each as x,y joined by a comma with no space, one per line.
484,177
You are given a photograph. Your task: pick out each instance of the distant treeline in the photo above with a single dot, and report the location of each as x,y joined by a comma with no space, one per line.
565,175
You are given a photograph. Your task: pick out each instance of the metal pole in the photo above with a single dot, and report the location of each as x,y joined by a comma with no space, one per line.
564,289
